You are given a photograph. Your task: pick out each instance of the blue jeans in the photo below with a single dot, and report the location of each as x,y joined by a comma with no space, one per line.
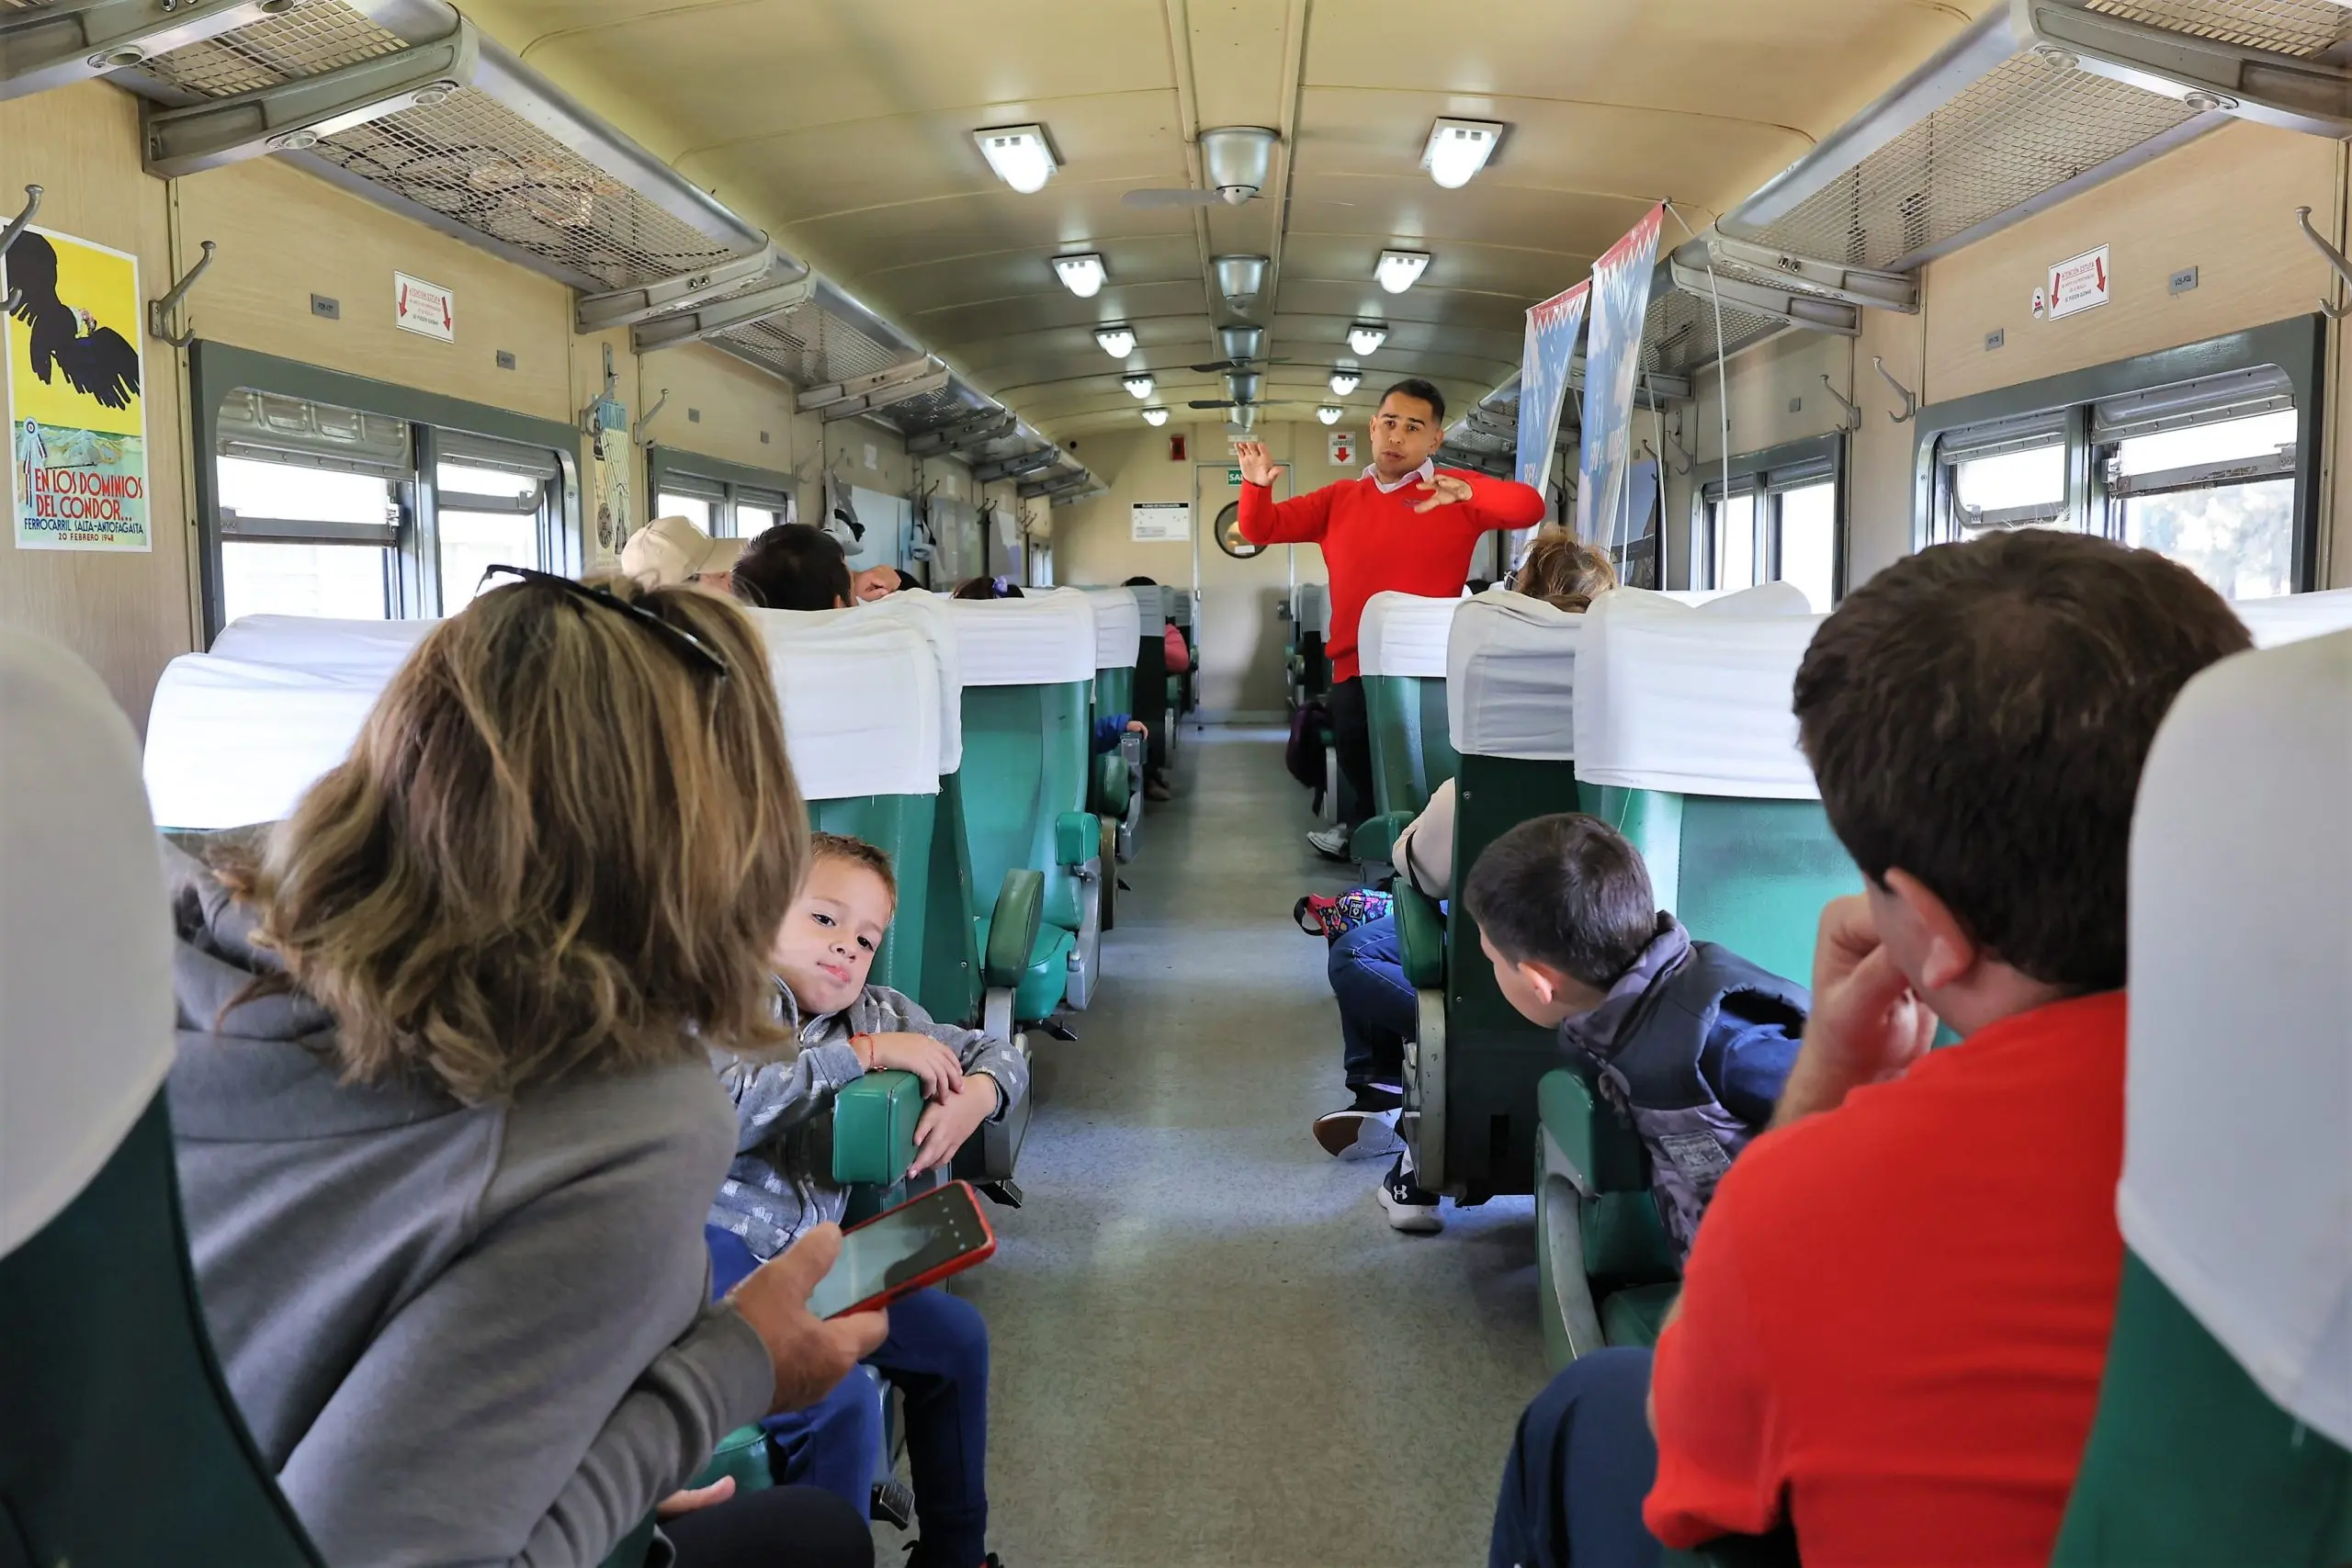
1579,1469
937,1357
1377,1009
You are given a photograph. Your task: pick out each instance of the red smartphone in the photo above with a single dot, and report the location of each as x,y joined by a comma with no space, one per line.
901,1251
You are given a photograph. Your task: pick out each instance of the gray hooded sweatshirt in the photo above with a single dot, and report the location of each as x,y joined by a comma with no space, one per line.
461,1337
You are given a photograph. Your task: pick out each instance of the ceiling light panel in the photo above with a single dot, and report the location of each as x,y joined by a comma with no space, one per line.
1365,338
1344,382
1155,416
1083,274
1399,270
1458,149
1329,414
1118,341
1020,155
1139,387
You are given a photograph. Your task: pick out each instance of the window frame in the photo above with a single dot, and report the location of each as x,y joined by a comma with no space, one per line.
216,369
1768,475
2296,347
681,472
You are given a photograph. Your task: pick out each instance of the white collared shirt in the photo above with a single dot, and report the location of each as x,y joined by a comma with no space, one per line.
1420,476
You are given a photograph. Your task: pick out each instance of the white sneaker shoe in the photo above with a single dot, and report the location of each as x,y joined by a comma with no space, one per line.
1331,843
1410,1207
1359,1135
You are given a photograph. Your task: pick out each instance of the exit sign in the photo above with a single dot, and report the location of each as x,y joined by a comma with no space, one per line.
1233,476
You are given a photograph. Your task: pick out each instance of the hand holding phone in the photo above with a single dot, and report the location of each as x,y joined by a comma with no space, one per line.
810,1355
901,1250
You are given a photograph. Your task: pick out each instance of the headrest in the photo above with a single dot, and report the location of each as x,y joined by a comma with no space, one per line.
236,741
85,939
2290,617
860,694
1310,604
1118,627
1403,633
1511,678
1180,606
312,642
928,616
1764,599
1044,640
1698,702
2237,1189
1151,609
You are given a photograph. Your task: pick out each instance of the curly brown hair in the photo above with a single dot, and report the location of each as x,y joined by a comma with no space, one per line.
1564,571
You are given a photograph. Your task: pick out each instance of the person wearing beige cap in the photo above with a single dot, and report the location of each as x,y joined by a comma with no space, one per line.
670,552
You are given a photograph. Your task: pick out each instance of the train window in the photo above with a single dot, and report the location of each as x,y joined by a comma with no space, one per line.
1778,522
694,509
2008,473
2207,475
486,518
302,539
1804,541
1730,527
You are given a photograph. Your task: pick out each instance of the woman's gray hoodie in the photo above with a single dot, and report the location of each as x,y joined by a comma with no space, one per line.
460,1337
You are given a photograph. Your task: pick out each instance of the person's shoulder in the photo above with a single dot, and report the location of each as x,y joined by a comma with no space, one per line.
670,1113
894,1006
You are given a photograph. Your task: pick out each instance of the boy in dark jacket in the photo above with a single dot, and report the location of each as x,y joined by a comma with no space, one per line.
1690,1040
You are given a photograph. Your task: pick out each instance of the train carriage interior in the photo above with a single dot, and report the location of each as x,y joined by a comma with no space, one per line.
1321,568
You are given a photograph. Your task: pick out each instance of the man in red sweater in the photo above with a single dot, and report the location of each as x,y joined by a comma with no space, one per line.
1405,526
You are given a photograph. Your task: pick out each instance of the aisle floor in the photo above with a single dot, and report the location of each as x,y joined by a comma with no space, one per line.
1210,1348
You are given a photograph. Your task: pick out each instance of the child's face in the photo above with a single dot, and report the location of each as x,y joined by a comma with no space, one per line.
1542,994
830,937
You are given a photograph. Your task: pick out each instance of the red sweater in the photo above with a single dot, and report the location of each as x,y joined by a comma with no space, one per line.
1378,543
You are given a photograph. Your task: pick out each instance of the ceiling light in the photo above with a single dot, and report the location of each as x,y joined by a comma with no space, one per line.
1458,149
1139,387
1117,341
1241,343
1329,414
1155,416
1345,381
1399,270
1365,337
1239,279
1020,155
1082,274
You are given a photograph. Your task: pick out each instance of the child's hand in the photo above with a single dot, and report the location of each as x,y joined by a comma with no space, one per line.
935,1064
1137,727
945,1125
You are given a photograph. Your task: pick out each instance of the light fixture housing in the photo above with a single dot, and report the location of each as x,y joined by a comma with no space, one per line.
1241,343
1344,381
1081,274
1020,155
1155,416
1239,279
1365,338
1399,270
1139,387
1458,149
1329,414
1118,341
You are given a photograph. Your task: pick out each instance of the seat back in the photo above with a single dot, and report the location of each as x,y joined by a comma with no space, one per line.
121,1446
2226,1410
2291,617
1686,743
1400,650
1118,643
1150,678
1310,619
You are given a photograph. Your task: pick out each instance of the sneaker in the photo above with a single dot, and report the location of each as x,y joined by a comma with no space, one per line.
1331,843
1409,1208
1366,1130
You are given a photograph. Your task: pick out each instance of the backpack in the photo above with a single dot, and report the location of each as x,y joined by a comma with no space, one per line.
1332,919
1303,755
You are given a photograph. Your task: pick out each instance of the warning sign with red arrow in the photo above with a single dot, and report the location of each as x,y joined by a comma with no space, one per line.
426,309
2078,283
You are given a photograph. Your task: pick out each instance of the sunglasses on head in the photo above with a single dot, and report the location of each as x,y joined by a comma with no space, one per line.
696,654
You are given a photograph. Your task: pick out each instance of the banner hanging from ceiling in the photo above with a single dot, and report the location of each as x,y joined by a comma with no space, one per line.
1552,329
1620,300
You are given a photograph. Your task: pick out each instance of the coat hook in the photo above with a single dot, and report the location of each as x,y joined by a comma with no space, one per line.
1851,418
1910,403
17,226
637,431
2335,260
159,311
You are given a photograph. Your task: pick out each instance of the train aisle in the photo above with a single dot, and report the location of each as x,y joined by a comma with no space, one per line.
1210,1347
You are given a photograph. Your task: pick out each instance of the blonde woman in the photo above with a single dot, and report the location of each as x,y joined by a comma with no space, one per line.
446,1123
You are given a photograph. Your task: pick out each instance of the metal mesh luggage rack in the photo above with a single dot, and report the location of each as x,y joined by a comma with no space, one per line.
312,38
1678,335
2299,28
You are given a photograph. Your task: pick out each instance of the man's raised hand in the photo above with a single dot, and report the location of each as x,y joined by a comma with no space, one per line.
1445,490
1257,468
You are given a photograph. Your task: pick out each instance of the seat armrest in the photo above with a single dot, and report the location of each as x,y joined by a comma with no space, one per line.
1013,929
1376,840
1077,838
873,1128
1421,940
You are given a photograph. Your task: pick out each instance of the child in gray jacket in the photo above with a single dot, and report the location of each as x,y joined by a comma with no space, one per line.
938,1352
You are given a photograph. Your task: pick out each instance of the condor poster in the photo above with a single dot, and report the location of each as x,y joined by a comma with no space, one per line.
77,471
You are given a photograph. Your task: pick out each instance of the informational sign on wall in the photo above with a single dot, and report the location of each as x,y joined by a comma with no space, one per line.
1161,521
425,309
1343,448
2078,283
76,422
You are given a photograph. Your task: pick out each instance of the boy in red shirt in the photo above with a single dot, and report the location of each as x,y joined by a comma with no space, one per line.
1894,1318
1405,526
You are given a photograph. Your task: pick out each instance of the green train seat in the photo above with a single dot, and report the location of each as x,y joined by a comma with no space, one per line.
1028,674
1400,646
1117,785
2226,1414
1152,679
122,1446
1308,665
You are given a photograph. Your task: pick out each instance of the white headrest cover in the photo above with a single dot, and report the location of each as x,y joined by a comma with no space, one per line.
1118,627
2237,1166
1511,678
2290,617
1696,702
1312,604
232,742
1152,610
1764,599
860,694
314,642
928,616
1046,640
85,942
1403,633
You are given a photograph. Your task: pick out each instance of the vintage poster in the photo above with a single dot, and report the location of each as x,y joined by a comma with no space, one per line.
1552,329
1621,300
77,471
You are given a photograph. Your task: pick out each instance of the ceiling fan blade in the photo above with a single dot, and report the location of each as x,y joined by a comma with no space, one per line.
1214,403
1220,366
1167,198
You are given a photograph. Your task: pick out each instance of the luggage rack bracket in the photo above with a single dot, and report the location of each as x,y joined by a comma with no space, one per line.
2294,93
